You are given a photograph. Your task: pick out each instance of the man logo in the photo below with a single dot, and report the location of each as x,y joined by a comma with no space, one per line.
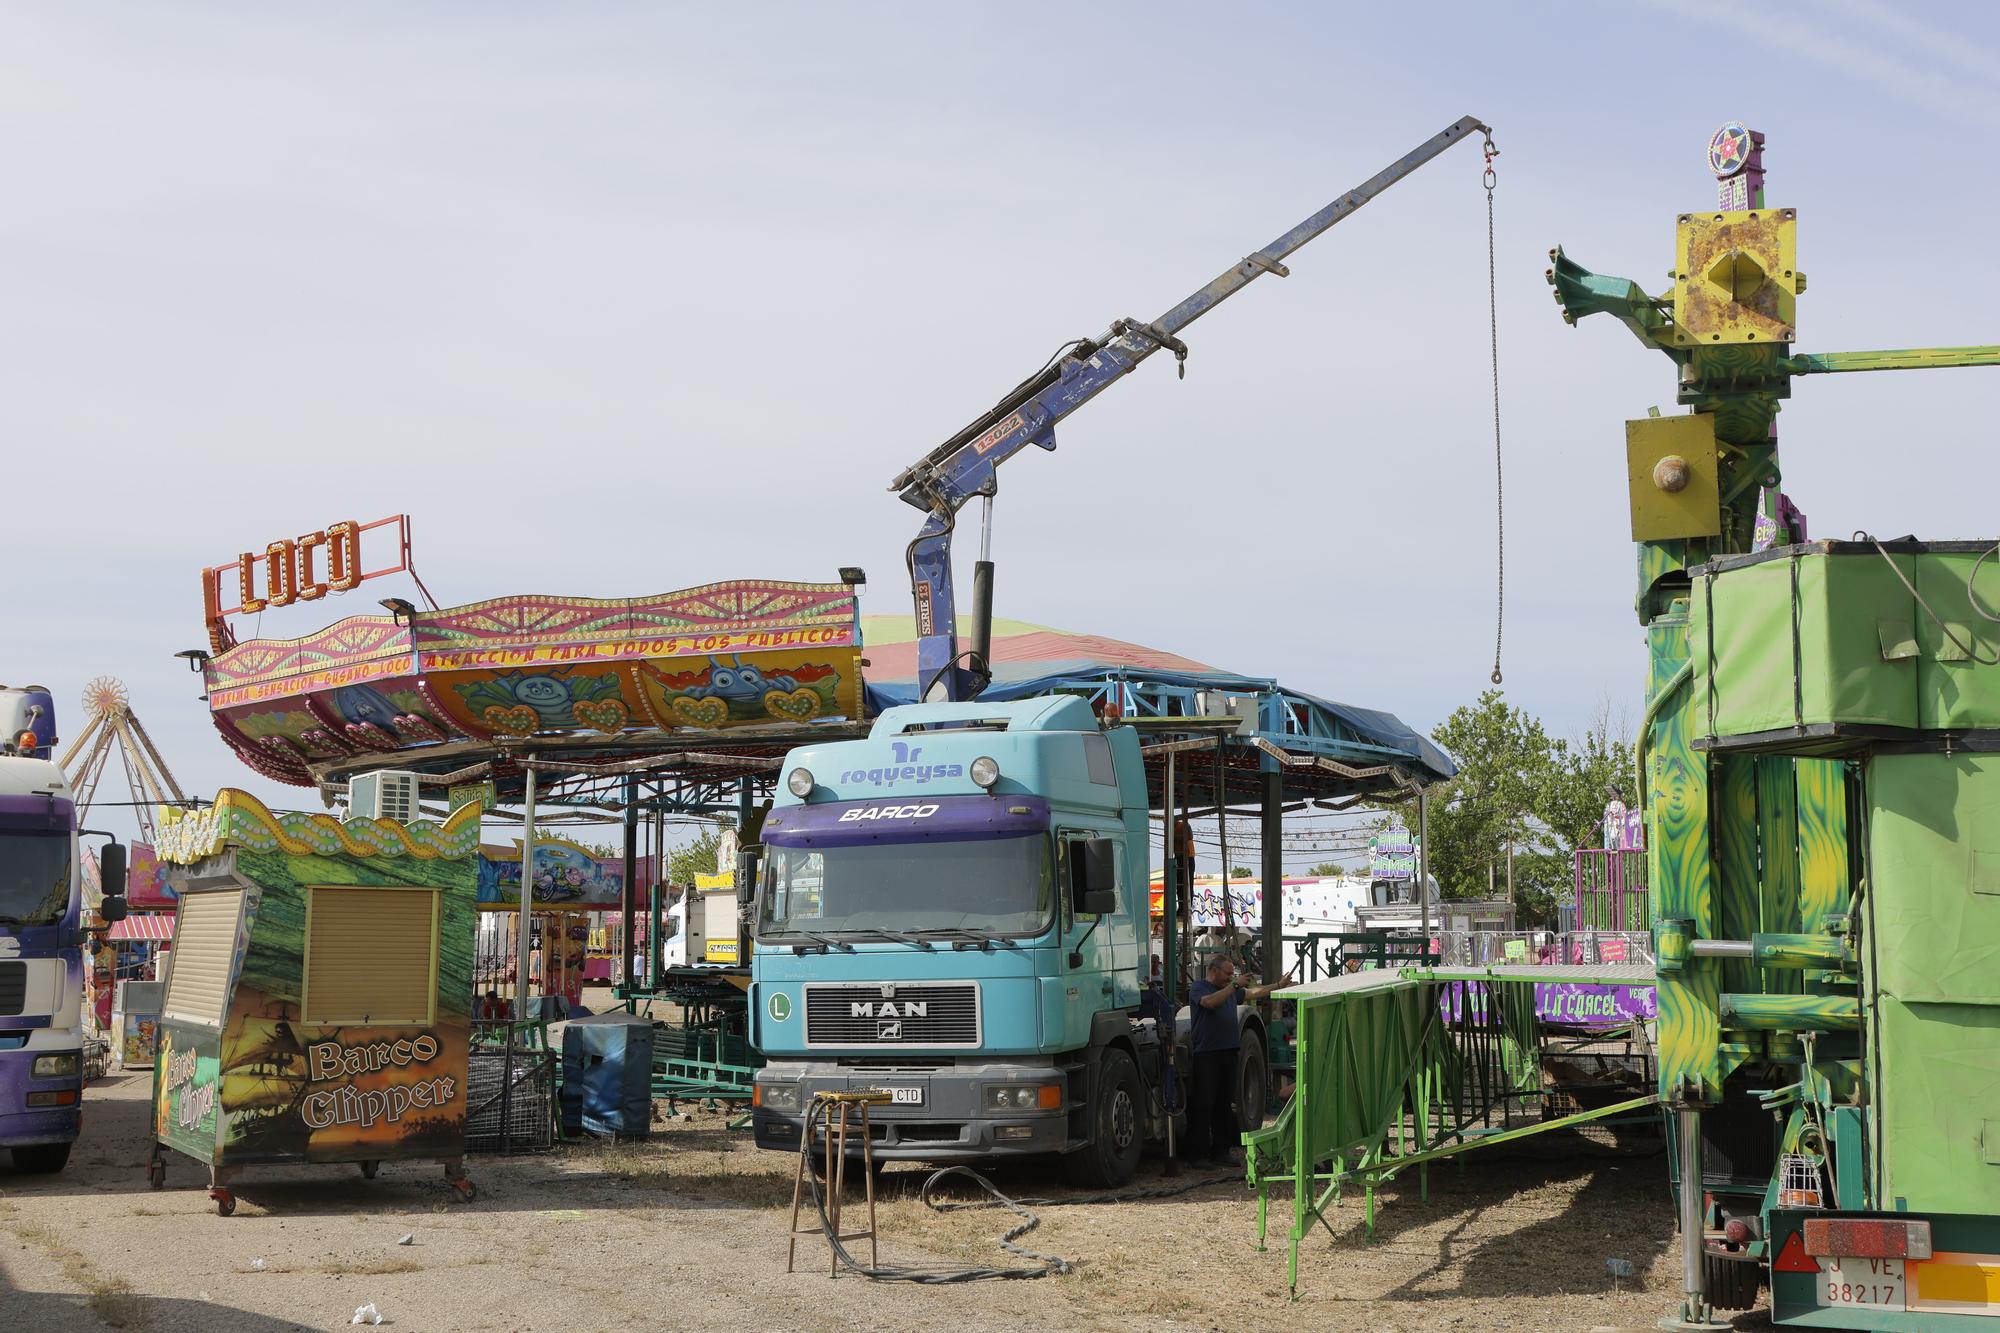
891,1030
888,1009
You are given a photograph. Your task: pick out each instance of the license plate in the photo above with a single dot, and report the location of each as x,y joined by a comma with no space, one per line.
904,1096
1872,1283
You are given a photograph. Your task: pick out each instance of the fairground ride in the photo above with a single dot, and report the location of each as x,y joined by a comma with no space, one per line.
1820,773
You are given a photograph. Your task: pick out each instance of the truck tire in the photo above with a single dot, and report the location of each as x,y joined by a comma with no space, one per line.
1252,1086
1731,1284
1117,1124
41,1159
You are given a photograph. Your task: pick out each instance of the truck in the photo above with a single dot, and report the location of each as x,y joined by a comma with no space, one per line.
955,910
41,934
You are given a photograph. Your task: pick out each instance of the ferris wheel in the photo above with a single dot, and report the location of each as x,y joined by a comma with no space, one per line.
114,727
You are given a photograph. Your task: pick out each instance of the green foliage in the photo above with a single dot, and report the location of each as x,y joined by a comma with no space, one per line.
1516,780
694,857
1242,872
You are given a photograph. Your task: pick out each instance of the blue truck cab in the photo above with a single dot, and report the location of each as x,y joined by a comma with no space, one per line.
954,910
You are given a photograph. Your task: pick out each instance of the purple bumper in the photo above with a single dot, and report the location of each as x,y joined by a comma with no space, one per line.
21,1125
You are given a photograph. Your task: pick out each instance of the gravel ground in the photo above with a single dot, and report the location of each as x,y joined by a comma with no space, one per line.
689,1229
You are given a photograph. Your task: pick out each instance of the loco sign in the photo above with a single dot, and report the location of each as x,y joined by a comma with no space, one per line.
288,571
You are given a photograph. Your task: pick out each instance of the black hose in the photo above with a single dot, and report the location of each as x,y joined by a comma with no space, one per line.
1045,1265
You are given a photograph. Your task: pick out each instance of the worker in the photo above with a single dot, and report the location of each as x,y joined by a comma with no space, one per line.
1215,1038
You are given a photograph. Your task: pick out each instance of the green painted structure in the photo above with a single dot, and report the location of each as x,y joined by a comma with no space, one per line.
1820,772
1399,1068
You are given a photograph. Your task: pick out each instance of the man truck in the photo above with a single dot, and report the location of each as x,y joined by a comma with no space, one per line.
41,963
954,911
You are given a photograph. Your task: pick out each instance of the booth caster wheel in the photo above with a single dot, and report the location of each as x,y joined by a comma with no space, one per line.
368,1170
225,1202
156,1174
467,1191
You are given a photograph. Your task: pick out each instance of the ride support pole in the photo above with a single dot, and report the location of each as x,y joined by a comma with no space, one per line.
524,936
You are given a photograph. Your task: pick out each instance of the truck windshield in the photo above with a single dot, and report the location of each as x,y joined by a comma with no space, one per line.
1000,886
34,878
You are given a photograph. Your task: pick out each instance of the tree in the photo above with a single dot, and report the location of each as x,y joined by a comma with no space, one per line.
697,856
1517,782
1598,764
1242,872
1326,870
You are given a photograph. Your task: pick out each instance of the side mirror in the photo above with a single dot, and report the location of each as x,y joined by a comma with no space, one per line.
1093,876
111,874
112,908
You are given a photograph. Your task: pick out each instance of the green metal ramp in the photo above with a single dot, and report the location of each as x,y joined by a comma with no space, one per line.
1398,1069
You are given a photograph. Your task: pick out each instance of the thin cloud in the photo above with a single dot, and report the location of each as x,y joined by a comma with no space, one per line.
1866,59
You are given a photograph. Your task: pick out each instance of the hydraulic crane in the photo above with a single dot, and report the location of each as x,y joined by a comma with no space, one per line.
965,465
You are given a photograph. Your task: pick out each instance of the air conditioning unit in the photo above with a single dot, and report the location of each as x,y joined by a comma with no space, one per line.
1216,703
390,794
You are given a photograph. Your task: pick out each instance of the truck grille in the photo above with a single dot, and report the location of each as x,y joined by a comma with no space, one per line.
13,987
910,1014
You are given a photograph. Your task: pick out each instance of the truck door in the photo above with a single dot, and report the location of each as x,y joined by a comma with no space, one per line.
1088,938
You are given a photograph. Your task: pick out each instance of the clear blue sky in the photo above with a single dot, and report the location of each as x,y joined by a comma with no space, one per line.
616,299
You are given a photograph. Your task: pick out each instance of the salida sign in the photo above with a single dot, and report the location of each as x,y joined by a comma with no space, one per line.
347,1105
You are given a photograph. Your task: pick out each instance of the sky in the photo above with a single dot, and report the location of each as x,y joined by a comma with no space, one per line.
618,299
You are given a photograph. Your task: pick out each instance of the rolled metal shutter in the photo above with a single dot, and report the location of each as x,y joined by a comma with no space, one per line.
371,956
204,951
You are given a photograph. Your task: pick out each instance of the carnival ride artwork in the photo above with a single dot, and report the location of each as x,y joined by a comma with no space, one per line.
439,685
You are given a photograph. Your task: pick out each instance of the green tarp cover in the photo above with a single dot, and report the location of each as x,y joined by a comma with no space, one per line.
1931,952
1829,634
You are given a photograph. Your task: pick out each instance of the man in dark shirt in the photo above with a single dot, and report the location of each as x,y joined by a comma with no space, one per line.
1214,1039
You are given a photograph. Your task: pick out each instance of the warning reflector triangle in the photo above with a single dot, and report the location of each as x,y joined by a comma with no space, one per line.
1792,1258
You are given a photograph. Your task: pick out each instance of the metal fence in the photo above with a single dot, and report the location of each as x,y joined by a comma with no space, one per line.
511,1081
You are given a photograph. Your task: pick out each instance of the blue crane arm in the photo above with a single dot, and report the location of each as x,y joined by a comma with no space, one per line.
964,466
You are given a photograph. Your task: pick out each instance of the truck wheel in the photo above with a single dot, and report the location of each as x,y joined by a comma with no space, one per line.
41,1159
1116,1128
1252,1087
1731,1284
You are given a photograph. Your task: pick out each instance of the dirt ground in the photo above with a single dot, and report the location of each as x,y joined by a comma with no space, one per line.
689,1230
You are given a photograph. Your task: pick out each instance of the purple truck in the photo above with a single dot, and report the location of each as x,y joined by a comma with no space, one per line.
41,937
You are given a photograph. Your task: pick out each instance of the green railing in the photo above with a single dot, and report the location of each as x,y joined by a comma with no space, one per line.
1396,1070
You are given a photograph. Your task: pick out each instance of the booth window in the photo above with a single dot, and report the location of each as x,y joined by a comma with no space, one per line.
204,952
371,956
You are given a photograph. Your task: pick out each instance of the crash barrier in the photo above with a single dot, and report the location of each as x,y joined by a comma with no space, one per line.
1399,1068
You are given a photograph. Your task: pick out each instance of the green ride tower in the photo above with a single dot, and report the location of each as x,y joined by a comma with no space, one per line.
1819,765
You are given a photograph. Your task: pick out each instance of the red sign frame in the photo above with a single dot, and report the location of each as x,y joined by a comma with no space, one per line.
289,574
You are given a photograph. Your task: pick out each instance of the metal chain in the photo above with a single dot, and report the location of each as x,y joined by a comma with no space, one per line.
1499,471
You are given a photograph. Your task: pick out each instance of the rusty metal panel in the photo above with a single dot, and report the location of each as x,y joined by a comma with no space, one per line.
1736,277
1670,468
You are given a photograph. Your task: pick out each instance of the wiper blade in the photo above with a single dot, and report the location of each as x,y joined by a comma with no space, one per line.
899,936
826,943
978,939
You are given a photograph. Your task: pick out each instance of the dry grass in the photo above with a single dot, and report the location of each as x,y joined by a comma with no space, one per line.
111,1299
374,1267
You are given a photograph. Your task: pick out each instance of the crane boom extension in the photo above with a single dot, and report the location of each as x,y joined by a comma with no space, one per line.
964,465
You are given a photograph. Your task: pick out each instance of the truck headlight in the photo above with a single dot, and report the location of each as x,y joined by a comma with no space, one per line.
55,1066
1024,1097
984,772
780,1097
799,782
